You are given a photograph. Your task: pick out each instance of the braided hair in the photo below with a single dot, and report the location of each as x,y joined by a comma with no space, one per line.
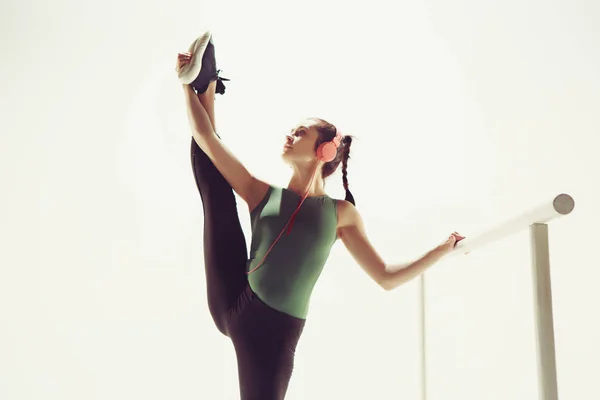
346,141
326,133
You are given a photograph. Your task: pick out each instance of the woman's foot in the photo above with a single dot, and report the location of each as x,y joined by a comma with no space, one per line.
202,68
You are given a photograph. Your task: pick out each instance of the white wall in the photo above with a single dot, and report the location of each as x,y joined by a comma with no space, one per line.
465,113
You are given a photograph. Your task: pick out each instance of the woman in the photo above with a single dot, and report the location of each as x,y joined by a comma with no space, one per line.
262,303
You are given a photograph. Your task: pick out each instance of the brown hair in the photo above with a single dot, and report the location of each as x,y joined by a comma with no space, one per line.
326,133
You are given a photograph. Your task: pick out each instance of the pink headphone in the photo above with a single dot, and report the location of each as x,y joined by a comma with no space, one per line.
326,152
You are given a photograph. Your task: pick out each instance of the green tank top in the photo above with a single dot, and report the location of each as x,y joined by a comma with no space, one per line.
286,279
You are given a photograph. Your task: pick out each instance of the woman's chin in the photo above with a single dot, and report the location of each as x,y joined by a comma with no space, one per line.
285,157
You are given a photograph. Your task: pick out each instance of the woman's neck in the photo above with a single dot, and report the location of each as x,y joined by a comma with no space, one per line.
301,179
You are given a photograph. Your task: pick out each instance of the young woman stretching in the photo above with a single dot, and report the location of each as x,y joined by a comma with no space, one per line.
261,303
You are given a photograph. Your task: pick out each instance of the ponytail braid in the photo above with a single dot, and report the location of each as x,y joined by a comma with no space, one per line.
347,141
327,132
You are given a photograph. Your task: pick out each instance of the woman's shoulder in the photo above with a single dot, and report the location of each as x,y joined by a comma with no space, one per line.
346,212
258,192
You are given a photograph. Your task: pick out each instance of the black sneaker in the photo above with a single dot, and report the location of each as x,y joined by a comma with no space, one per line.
202,69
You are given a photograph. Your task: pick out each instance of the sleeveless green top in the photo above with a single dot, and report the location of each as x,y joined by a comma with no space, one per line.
286,279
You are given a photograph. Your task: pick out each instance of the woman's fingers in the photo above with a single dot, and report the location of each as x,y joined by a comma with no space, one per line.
455,237
182,60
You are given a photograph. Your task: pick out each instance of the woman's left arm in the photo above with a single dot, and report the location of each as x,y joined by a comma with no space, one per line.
351,231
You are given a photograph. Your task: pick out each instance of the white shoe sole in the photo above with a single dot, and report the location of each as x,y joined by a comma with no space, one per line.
191,70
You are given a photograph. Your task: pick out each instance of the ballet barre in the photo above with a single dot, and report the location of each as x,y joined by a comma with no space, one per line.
536,220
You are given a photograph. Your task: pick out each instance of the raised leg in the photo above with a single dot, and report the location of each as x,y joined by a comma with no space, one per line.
225,252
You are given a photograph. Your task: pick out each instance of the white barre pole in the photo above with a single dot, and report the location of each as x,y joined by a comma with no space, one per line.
542,313
423,337
561,205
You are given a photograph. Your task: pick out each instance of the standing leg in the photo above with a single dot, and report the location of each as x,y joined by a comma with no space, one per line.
225,252
265,343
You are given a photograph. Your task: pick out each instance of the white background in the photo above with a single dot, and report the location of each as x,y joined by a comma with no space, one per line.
465,113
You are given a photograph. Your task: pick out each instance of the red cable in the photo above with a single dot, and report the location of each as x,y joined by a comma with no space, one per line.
291,220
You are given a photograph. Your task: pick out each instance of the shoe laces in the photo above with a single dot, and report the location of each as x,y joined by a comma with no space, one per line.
220,85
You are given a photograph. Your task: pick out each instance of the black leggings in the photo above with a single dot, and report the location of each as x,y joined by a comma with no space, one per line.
264,339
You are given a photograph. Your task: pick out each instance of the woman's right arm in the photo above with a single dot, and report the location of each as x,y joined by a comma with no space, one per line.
250,189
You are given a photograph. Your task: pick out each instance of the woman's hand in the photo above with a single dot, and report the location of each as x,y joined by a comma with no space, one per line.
449,244
182,60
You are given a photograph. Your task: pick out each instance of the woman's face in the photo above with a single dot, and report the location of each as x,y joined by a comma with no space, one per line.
299,145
